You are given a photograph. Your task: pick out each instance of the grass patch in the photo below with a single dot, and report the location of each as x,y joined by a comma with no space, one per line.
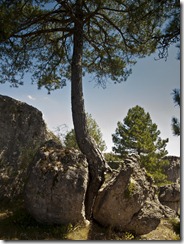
164,231
78,232
98,232
17,224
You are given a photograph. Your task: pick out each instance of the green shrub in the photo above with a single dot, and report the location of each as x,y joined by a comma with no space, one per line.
176,225
130,189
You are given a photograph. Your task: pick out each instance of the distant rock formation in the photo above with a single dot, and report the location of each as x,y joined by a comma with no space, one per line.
172,170
22,130
56,185
169,195
128,201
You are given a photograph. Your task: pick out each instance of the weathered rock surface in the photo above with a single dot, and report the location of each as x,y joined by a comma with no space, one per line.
56,186
128,201
149,216
172,170
169,195
22,129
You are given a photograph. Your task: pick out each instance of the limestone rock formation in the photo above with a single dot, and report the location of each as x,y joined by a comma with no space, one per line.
169,195
149,216
56,186
22,129
128,201
172,170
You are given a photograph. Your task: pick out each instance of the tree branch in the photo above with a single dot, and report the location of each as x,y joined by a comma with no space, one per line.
38,32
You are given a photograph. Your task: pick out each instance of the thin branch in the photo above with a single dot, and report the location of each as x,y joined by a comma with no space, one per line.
108,21
38,32
92,43
115,10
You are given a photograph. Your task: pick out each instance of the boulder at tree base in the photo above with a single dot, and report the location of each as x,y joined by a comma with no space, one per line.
56,186
128,201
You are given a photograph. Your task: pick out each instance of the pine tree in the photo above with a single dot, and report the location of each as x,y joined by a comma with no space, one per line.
61,40
139,135
175,121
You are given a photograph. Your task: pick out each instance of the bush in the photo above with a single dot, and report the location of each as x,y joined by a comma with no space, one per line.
176,225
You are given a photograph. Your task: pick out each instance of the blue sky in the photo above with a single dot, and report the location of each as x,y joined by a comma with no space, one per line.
150,86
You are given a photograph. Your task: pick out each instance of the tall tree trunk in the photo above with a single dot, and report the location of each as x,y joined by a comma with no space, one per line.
87,145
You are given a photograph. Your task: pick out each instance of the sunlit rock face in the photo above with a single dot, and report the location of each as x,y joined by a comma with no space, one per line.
22,130
56,185
128,201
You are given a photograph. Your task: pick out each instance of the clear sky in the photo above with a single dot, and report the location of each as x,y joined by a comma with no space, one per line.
150,86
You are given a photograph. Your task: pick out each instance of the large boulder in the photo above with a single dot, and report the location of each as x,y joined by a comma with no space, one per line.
56,185
128,201
22,130
149,216
169,195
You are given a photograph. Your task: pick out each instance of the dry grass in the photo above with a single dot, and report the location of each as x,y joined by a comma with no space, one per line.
164,231
17,224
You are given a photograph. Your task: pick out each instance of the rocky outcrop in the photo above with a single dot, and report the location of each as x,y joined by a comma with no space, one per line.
172,170
57,178
128,201
56,186
149,216
22,130
169,195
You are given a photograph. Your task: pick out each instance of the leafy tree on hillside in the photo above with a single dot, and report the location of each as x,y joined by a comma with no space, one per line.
175,121
60,40
139,135
94,131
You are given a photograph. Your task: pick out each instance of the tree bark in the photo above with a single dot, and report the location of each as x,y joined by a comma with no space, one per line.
87,145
